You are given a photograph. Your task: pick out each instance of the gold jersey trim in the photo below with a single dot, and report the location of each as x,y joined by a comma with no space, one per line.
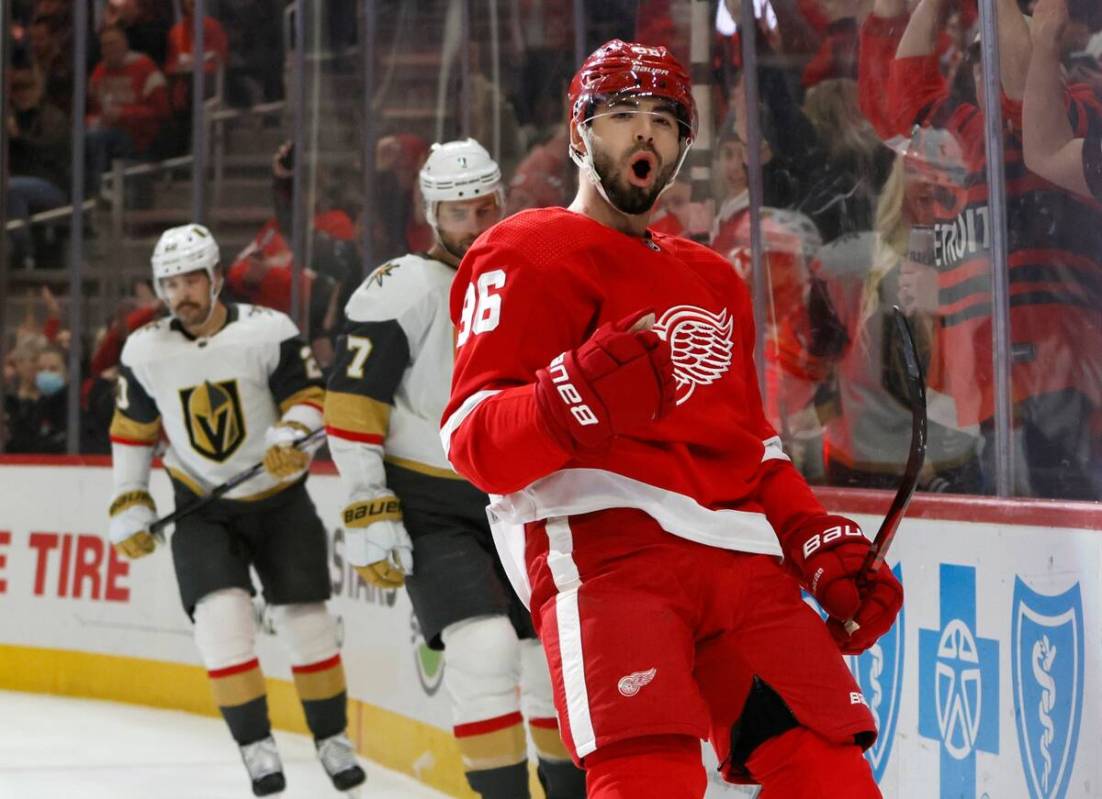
311,395
423,468
194,487
122,426
356,413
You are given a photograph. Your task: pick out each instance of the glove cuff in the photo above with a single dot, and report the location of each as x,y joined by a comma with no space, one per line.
130,499
363,513
820,534
298,427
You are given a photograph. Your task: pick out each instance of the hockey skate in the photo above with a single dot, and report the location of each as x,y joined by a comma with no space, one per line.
338,757
265,769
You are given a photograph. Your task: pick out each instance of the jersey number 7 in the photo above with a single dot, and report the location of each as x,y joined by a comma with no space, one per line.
481,308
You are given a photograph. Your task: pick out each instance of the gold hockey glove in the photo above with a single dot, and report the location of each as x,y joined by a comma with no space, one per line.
131,514
282,460
376,542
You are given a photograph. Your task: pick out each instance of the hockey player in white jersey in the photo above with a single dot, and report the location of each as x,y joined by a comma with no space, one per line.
230,386
386,394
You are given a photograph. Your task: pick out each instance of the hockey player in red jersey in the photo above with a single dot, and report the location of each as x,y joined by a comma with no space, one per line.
604,394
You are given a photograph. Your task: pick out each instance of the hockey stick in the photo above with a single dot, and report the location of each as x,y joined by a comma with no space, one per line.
916,388
156,529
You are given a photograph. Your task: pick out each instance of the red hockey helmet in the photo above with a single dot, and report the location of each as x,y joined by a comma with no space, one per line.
628,68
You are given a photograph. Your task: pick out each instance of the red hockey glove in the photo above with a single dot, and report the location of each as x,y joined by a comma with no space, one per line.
828,554
622,377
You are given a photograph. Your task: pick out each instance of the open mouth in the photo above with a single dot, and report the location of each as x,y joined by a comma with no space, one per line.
642,168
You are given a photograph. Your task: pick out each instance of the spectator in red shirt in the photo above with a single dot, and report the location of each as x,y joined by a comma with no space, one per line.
127,104
1052,148
836,56
180,59
1053,240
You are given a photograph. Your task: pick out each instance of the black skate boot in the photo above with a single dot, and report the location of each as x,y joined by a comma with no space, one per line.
338,757
265,769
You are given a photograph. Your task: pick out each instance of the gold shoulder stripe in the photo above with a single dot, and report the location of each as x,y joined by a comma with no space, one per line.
423,468
356,413
312,395
125,428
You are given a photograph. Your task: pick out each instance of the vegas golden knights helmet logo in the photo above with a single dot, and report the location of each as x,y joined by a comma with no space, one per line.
215,423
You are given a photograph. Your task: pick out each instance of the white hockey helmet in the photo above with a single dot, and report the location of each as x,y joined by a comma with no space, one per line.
458,170
184,249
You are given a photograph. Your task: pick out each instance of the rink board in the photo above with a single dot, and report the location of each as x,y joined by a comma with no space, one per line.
991,684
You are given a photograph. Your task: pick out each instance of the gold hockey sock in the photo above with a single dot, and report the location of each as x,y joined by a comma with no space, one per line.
322,690
242,697
495,756
560,778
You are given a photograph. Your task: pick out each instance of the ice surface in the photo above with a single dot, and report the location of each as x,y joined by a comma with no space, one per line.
55,747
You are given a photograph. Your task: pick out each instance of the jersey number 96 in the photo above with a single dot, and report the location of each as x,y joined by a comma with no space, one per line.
481,308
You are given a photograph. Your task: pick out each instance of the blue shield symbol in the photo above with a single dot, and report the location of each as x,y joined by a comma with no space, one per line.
1047,647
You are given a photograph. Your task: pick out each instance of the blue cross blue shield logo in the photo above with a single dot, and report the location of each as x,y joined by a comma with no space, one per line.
1046,640
958,685
879,672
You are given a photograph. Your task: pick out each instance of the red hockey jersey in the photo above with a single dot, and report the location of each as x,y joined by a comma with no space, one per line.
540,283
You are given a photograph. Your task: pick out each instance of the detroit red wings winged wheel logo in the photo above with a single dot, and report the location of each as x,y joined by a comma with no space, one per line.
701,345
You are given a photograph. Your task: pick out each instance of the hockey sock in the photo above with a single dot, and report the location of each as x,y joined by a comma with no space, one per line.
668,766
801,764
321,689
242,697
560,778
495,756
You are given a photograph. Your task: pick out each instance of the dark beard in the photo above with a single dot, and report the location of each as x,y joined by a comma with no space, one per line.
631,200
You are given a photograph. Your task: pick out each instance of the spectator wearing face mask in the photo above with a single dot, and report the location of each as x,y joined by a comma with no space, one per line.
37,418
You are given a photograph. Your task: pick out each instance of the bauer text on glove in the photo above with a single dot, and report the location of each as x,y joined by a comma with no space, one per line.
618,380
828,553
376,542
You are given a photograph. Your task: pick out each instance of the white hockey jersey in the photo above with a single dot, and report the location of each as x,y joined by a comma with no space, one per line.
214,397
392,375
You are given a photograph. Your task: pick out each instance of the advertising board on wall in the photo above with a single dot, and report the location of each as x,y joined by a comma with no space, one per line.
990,684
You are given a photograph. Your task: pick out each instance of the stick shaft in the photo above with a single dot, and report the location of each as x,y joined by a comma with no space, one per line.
916,457
226,487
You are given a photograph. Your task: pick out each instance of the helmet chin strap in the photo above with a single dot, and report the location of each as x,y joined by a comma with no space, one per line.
215,290
584,161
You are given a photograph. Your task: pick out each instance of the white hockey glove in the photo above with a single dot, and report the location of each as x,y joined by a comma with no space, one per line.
376,542
283,460
131,514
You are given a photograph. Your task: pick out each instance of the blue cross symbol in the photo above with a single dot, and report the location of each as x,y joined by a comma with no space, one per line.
958,685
